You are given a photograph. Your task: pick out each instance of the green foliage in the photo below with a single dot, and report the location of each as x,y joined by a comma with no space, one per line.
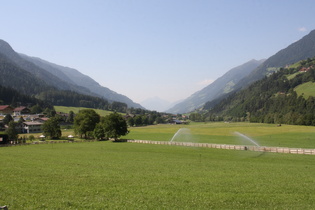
36,109
114,126
52,128
111,126
7,119
104,175
85,122
11,131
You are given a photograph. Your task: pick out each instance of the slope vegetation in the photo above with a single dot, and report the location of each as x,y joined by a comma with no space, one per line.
274,99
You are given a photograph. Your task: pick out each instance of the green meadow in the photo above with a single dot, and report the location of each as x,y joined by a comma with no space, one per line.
225,133
66,109
108,175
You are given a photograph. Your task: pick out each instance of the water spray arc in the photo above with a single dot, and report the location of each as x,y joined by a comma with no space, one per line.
175,134
247,138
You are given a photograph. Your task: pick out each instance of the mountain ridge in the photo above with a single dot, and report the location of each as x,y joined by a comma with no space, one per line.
76,77
220,86
55,76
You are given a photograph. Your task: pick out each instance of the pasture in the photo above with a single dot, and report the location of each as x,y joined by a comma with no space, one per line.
224,133
66,109
108,175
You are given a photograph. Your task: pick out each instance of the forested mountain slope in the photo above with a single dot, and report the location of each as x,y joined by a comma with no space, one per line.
75,77
221,86
59,77
302,49
273,99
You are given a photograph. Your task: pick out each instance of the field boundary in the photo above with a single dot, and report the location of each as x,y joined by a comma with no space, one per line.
233,147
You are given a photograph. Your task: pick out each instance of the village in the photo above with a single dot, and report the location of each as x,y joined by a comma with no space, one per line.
26,122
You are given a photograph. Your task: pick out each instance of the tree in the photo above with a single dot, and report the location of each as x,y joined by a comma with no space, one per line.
21,120
52,128
70,118
85,122
7,119
11,131
36,109
113,126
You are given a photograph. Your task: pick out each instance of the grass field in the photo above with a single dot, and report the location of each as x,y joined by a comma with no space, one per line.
224,133
66,109
106,175
307,89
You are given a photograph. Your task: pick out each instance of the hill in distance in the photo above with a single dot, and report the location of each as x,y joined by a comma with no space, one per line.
286,96
302,49
299,50
158,104
50,76
221,86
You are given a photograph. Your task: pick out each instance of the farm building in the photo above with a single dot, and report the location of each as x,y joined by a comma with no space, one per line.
6,109
32,127
22,110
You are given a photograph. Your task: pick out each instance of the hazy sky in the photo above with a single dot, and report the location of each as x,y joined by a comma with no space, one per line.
147,48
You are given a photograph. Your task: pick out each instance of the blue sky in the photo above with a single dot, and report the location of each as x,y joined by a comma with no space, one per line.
148,48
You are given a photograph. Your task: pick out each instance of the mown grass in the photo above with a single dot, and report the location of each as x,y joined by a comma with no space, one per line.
306,90
66,109
106,175
224,133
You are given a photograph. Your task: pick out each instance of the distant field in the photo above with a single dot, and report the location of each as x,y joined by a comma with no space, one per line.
224,133
66,109
106,175
306,89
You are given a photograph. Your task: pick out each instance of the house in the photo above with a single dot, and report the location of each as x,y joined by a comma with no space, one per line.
6,109
32,127
42,119
22,110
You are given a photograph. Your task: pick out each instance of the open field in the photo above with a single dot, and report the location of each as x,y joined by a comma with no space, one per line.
306,89
224,133
66,109
106,175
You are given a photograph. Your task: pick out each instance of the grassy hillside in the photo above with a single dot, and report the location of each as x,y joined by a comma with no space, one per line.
106,175
66,109
306,90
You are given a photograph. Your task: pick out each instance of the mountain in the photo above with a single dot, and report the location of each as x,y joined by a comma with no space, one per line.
39,73
287,96
156,104
47,76
300,50
221,86
75,77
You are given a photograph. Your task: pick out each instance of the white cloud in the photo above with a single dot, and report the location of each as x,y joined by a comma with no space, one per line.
302,29
205,82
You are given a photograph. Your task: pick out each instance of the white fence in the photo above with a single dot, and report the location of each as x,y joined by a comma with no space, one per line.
234,147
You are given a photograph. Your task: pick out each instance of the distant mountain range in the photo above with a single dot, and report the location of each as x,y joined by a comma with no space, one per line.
45,75
157,104
246,74
221,86
285,97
